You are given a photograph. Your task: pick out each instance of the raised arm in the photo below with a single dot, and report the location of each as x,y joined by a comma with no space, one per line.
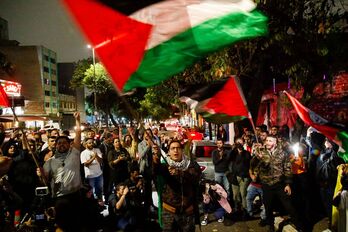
77,139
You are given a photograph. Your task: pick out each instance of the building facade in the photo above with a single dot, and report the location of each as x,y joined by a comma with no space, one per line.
36,71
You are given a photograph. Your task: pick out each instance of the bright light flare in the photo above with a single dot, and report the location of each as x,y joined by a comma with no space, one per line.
296,149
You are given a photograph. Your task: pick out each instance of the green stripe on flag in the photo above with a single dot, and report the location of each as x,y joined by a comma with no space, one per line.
221,118
343,137
174,55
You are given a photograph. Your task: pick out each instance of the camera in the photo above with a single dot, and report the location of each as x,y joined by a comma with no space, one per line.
41,191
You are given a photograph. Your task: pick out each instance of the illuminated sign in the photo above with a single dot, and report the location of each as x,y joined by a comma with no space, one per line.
11,88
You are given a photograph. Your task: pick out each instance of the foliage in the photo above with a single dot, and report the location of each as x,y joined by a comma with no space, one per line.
306,40
158,102
108,102
79,72
97,79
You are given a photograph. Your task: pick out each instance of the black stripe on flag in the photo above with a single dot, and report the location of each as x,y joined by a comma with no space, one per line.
201,92
128,7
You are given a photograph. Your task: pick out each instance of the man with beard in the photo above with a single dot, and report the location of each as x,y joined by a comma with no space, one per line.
275,175
63,174
91,158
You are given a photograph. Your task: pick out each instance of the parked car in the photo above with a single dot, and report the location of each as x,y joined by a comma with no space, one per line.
202,151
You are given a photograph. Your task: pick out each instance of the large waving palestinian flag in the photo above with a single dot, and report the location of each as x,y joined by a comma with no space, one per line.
218,102
334,131
143,42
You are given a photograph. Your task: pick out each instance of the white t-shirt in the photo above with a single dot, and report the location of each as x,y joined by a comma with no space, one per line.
64,173
94,169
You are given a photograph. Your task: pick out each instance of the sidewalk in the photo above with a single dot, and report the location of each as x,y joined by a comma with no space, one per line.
252,226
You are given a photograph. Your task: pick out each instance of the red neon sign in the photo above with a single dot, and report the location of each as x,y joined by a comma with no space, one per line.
11,88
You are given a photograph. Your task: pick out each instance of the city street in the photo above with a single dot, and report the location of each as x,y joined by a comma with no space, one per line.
251,225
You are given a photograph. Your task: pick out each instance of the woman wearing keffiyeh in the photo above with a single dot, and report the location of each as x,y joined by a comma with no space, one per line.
180,191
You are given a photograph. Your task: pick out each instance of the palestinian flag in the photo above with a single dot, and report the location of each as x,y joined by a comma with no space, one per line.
333,131
218,102
142,43
4,101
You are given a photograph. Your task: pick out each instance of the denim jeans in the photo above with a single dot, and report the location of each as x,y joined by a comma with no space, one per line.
222,179
218,211
97,184
252,192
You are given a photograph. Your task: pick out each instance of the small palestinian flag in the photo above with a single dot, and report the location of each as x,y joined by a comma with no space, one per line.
334,131
218,102
142,43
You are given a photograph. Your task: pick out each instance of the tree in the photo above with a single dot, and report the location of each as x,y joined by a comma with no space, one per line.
306,40
97,80
107,100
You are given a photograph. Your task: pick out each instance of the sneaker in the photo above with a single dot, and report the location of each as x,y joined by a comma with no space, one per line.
204,222
221,219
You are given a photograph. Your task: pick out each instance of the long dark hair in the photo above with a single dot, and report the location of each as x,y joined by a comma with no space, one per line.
214,195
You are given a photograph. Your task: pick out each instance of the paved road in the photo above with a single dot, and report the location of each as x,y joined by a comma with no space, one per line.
249,226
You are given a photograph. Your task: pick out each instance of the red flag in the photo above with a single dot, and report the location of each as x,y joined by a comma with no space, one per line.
3,98
312,119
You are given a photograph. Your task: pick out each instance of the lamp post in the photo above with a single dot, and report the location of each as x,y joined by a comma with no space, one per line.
95,85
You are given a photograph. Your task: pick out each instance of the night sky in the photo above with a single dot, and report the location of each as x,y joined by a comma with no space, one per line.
44,22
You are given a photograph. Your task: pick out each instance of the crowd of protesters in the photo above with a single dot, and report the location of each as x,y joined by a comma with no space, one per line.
66,183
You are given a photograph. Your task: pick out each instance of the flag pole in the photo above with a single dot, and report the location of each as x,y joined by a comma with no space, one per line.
25,141
246,106
253,125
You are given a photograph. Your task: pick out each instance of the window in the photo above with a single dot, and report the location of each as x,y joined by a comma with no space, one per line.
46,69
54,72
54,105
47,93
54,82
47,81
53,94
47,104
46,57
53,60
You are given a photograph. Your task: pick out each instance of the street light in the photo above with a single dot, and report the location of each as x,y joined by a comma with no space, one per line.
95,85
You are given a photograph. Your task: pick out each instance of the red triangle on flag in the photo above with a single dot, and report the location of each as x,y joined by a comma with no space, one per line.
229,100
118,40
4,98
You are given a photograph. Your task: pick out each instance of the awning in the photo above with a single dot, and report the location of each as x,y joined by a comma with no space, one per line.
23,118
